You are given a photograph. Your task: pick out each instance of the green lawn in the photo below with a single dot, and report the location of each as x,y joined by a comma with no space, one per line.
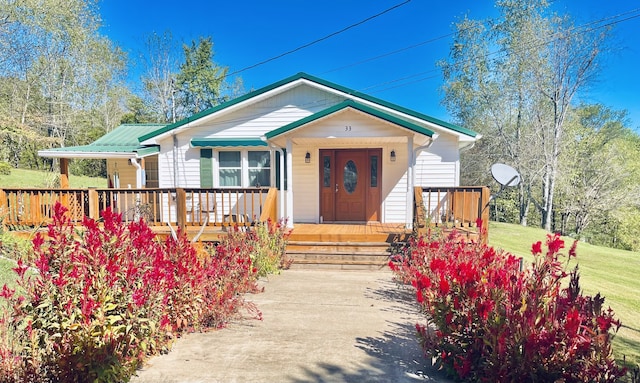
613,273
7,275
23,178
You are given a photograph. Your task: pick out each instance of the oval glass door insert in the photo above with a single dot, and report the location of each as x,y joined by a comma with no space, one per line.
350,177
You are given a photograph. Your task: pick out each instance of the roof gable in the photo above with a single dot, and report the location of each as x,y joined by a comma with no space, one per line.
354,105
304,76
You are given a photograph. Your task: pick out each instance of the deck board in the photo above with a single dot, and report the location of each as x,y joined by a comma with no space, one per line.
335,232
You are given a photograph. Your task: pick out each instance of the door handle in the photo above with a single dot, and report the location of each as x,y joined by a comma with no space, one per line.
336,188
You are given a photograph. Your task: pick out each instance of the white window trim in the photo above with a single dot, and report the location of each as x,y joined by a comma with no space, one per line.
244,167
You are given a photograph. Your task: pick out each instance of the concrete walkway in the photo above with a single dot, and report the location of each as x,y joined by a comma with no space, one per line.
318,326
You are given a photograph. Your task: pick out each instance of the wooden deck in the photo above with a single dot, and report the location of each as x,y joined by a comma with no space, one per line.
334,232
308,232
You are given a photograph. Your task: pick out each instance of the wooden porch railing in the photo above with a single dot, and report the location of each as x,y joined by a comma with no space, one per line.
450,207
161,206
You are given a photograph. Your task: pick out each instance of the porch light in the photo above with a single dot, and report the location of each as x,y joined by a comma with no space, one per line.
307,158
393,156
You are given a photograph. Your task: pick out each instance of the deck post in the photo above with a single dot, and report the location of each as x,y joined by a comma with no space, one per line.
419,210
94,204
485,198
181,208
64,173
4,204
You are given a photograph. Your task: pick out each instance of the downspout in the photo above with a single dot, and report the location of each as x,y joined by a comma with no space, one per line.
412,176
135,163
282,185
462,150
175,160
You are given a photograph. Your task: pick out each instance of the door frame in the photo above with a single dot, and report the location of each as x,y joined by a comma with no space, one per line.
373,189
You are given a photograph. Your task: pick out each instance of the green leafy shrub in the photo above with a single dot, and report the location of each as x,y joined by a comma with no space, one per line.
270,244
104,299
15,247
265,243
5,168
488,321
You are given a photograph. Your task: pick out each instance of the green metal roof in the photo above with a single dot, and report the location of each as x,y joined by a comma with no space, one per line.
126,135
320,81
354,105
123,139
226,142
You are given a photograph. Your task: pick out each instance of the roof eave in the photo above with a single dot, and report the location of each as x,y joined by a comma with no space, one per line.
155,136
86,154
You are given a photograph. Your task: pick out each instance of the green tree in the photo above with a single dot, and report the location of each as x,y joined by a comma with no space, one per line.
137,112
513,78
58,75
599,175
200,82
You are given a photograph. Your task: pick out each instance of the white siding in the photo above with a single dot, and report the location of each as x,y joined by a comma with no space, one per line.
394,191
187,160
438,165
349,124
268,115
306,195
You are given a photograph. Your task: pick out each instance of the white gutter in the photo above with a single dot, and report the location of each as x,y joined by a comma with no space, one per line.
92,155
135,163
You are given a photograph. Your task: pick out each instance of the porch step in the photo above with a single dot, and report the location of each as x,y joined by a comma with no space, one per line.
338,255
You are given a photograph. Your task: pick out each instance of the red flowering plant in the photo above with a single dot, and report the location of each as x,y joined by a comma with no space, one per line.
228,277
490,321
95,303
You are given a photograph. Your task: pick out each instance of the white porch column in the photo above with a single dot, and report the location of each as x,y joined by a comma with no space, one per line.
289,192
410,169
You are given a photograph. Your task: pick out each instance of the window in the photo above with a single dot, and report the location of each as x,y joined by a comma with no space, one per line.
259,168
244,168
151,171
230,169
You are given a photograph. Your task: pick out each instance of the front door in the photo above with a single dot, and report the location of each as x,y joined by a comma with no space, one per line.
349,185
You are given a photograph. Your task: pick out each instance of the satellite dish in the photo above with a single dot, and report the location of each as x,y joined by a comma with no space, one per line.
505,175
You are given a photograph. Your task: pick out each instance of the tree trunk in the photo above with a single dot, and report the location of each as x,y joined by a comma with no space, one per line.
524,205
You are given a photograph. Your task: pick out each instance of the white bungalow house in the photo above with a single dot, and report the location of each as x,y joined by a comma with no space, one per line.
334,154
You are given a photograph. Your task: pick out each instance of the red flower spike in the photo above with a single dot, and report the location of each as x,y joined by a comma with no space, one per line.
6,292
536,248
444,286
21,269
572,250
554,243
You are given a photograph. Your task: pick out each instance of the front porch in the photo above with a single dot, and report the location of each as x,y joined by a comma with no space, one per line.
207,214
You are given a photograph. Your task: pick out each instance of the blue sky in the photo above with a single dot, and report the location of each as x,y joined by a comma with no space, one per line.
248,32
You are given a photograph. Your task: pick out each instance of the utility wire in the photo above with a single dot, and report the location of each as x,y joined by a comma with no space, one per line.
320,39
587,27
